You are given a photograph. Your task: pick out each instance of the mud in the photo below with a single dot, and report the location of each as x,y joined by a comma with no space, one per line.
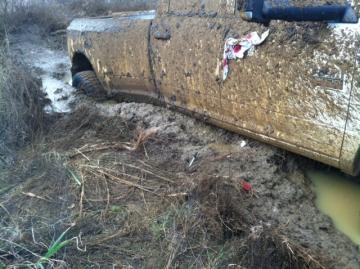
52,66
283,194
314,106
208,164
339,197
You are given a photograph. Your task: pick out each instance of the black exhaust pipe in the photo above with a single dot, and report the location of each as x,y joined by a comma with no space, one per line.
263,11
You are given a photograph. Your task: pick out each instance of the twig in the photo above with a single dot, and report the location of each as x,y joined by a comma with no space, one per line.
145,135
299,251
144,163
22,247
104,200
146,153
107,196
142,137
82,194
140,169
178,194
126,182
101,147
145,203
102,240
32,195
82,154
113,171
174,250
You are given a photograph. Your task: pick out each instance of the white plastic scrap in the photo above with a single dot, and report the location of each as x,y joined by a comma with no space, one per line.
236,48
243,144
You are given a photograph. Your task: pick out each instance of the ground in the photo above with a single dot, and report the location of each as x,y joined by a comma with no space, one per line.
134,185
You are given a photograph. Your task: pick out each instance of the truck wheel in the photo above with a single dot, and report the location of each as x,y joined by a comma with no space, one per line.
87,82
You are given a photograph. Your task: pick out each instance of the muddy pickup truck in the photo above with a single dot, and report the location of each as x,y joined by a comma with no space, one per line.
300,90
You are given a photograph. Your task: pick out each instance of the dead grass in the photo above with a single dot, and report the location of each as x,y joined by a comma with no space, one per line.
33,216
3,19
122,208
272,249
54,15
21,106
22,119
103,7
48,17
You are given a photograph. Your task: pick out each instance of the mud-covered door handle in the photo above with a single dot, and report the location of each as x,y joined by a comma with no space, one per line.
162,34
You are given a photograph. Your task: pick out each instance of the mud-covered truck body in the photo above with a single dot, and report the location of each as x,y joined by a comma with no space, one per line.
300,90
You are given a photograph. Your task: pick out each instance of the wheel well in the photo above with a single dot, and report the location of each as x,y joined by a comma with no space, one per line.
356,165
80,63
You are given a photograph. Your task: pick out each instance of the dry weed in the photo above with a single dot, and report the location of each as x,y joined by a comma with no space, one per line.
54,15
21,106
272,249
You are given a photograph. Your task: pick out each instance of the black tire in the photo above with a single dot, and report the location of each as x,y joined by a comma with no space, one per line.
87,82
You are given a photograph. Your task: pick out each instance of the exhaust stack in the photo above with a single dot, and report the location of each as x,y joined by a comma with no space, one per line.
263,11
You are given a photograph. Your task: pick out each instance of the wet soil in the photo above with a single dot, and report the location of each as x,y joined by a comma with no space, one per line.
52,66
155,226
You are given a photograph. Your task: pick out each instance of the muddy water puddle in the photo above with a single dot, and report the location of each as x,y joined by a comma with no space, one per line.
56,78
50,65
59,91
339,197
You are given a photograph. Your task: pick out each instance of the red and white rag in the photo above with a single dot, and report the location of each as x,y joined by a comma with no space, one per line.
236,48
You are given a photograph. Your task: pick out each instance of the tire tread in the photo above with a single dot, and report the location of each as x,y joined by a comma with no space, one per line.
88,82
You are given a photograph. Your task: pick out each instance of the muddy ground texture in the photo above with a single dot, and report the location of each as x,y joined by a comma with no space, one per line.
139,186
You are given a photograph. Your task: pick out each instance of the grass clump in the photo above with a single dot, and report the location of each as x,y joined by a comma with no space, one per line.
21,106
49,17
53,15
21,99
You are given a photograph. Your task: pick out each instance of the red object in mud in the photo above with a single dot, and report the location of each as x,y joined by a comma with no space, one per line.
246,185
237,48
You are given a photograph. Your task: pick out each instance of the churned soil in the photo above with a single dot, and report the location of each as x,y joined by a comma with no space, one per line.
141,186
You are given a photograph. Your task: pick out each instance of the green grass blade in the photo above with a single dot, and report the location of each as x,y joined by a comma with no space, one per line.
75,177
55,248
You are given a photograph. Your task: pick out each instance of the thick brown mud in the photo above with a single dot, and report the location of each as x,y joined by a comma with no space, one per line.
152,188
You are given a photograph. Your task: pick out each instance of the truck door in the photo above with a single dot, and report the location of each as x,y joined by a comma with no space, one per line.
294,92
186,44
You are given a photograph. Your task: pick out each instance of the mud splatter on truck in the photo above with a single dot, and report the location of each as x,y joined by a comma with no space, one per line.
299,91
